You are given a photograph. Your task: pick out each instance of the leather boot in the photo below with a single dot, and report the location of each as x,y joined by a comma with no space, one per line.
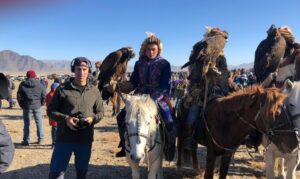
121,127
189,144
170,146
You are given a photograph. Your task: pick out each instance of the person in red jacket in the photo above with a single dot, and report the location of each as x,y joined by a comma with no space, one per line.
52,122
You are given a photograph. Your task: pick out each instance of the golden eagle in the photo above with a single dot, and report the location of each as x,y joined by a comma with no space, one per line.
112,69
268,54
208,49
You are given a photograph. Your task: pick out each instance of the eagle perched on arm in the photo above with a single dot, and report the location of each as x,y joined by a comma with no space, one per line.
268,54
112,69
208,49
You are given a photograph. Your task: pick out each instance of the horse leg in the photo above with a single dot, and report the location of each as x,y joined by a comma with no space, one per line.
225,161
210,164
292,164
135,170
179,151
270,160
281,167
113,101
195,159
155,167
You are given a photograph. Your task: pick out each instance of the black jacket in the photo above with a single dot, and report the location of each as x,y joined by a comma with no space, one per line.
7,148
31,94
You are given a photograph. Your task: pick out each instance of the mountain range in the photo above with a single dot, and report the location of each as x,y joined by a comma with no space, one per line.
14,63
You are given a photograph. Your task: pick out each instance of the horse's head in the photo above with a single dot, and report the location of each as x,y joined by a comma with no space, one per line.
293,102
275,121
140,125
271,100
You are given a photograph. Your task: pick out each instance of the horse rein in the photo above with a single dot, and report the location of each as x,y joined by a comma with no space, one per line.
269,132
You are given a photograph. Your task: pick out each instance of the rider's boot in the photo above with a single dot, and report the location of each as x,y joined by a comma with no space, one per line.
170,148
189,143
121,127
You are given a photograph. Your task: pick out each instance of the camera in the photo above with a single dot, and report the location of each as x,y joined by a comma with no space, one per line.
81,123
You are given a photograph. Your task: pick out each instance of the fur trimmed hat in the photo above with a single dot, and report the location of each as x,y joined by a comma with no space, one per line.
287,33
151,39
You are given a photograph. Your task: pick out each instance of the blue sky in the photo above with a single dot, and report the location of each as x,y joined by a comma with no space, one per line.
64,29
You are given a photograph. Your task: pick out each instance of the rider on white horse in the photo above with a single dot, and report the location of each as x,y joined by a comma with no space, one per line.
151,75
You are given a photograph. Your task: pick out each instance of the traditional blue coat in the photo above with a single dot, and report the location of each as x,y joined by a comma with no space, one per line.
153,77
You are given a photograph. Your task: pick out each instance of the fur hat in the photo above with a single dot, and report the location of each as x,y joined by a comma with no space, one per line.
31,74
151,39
287,33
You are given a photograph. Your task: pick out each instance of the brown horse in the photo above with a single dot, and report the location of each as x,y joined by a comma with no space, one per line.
229,119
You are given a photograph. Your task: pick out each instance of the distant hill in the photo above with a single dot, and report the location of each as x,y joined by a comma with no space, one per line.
247,66
14,63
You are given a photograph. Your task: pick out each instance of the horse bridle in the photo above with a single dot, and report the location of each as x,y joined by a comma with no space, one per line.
138,134
270,132
290,119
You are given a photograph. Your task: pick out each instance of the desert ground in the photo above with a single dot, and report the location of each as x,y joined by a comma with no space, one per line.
32,162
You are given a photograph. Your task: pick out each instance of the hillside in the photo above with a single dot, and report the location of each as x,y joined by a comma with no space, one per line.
13,63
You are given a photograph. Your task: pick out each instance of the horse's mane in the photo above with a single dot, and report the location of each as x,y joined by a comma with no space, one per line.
271,98
145,104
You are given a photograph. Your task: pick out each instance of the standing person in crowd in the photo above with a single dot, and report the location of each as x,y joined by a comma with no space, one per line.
77,107
11,87
7,148
151,75
179,90
44,83
31,97
96,73
52,122
251,79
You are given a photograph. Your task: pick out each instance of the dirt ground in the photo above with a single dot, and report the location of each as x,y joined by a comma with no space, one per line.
32,162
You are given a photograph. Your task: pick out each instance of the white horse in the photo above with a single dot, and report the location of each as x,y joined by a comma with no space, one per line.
285,72
272,152
282,74
142,137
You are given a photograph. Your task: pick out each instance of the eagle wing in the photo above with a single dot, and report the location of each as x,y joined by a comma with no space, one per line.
207,49
108,68
268,56
196,53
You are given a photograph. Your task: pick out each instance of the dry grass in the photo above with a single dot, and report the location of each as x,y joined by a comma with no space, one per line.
32,162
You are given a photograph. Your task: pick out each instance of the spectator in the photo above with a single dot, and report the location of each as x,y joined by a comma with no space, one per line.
52,122
179,91
7,149
31,96
76,106
11,87
95,74
251,79
44,83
